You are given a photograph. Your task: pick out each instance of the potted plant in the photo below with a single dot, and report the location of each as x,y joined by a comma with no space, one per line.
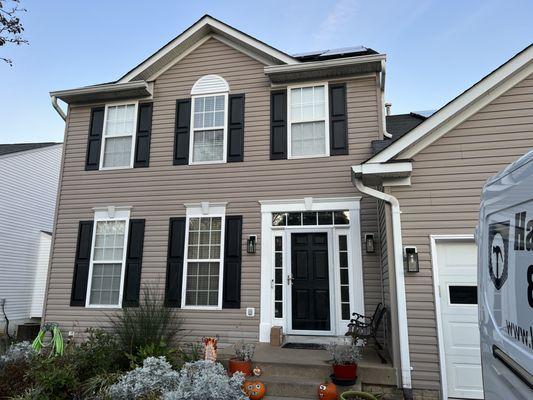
344,358
352,395
242,362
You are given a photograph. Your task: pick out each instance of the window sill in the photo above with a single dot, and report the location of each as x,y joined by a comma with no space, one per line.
310,156
202,308
115,168
104,306
207,162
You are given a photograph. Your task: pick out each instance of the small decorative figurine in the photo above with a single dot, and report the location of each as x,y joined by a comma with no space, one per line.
257,371
210,349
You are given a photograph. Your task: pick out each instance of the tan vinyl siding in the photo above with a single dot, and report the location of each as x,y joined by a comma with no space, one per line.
158,192
444,199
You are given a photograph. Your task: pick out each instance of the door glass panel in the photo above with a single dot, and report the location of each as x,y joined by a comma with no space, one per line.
463,294
278,276
344,284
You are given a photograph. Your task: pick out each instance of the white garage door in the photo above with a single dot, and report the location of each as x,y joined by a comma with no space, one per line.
456,262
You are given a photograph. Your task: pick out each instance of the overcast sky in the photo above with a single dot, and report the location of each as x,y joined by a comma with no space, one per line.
435,49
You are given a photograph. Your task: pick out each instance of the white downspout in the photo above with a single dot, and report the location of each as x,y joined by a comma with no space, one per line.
58,108
403,333
383,112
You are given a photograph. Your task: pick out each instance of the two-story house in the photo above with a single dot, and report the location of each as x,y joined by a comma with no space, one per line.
232,175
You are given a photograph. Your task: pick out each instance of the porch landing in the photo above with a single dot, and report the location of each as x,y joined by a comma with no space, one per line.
296,373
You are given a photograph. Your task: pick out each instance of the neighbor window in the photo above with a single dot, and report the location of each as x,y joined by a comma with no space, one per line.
107,262
117,149
209,125
204,262
307,121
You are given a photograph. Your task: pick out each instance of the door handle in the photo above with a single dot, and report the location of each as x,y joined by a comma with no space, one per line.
290,279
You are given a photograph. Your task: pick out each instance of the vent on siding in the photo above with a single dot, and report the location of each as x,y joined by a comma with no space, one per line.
210,84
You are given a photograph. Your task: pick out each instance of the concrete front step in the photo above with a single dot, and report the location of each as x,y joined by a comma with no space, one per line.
320,373
297,388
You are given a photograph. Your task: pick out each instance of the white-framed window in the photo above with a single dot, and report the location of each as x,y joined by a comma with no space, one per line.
204,257
209,116
118,135
308,127
108,258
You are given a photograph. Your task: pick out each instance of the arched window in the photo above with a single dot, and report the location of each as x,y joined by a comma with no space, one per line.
209,116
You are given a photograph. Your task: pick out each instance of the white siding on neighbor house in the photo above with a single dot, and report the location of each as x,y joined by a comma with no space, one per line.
28,187
41,271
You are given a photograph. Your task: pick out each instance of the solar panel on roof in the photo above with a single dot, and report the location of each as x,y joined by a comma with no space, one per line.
310,53
343,50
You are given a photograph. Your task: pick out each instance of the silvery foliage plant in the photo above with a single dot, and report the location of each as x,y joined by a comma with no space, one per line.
155,377
244,351
17,352
203,380
344,354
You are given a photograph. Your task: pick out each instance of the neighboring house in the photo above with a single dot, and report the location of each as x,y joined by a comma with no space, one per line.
29,177
224,172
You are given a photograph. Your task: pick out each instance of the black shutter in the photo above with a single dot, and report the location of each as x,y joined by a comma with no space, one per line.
181,133
144,131
81,264
134,255
175,258
236,128
278,125
94,140
231,296
338,120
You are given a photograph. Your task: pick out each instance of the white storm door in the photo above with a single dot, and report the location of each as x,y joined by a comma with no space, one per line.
457,266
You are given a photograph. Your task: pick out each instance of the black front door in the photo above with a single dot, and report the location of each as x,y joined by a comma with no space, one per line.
310,285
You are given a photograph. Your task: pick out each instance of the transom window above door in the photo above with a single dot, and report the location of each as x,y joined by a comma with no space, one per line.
308,124
306,218
209,120
119,127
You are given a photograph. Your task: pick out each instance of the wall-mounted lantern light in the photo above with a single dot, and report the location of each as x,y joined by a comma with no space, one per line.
369,243
251,244
411,259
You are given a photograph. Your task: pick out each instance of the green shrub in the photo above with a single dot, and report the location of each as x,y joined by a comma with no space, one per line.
13,378
98,354
96,387
190,352
55,377
149,323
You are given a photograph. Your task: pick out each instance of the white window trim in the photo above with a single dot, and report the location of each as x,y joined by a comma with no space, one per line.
224,129
109,214
205,210
104,137
326,119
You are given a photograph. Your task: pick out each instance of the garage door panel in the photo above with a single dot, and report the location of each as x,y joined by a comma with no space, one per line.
457,269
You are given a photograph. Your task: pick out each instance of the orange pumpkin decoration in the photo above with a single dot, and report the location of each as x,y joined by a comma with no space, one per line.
327,391
255,390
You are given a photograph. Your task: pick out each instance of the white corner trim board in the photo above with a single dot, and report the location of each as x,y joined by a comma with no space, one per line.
460,108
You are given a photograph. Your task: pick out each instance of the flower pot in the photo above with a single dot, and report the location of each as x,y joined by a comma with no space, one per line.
351,395
236,365
345,372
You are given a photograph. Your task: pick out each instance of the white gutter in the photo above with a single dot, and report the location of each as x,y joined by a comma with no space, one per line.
405,361
383,111
58,108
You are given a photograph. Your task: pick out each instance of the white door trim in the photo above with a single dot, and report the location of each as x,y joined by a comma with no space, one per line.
436,291
352,204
